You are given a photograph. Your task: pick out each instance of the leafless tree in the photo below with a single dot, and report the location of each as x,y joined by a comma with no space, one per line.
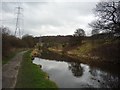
79,32
108,14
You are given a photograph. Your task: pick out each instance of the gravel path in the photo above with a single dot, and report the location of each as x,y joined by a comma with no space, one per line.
10,71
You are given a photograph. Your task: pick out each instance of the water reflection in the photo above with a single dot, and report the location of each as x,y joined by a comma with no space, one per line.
68,73
54,56
65,73
104,79
75,68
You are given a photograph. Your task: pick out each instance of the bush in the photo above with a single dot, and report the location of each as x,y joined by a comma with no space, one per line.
10,42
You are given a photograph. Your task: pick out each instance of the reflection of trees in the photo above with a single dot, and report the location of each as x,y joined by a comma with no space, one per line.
76,69
93,72
104,78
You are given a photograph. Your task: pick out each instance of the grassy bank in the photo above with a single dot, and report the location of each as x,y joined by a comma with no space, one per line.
6,59
98,50
31,76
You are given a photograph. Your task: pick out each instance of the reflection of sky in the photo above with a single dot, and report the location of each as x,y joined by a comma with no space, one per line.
47,64
61,74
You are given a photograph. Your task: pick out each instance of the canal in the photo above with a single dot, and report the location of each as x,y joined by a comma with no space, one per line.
69,73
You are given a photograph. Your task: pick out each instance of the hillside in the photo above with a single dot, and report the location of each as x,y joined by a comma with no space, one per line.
97,48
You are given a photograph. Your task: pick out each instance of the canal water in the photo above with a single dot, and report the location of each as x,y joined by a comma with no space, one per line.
72,74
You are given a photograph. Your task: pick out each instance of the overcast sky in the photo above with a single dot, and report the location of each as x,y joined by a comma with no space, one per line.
50,17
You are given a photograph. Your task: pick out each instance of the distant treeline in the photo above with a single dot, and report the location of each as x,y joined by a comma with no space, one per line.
50,41
71,39
10,43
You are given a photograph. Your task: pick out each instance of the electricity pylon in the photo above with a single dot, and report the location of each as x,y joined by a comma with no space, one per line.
18,27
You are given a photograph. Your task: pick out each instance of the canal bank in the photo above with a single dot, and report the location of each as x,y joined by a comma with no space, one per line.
100,53
31,76
68,72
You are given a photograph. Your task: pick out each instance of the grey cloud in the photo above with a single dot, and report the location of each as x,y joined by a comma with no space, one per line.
53,17
9,7
56,14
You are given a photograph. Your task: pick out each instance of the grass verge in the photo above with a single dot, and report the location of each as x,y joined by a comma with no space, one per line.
31,76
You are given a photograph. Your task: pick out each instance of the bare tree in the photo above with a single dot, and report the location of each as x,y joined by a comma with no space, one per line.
79,32
108,14
5,30
97,25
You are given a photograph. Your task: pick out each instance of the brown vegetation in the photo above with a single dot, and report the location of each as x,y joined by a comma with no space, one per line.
10,43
